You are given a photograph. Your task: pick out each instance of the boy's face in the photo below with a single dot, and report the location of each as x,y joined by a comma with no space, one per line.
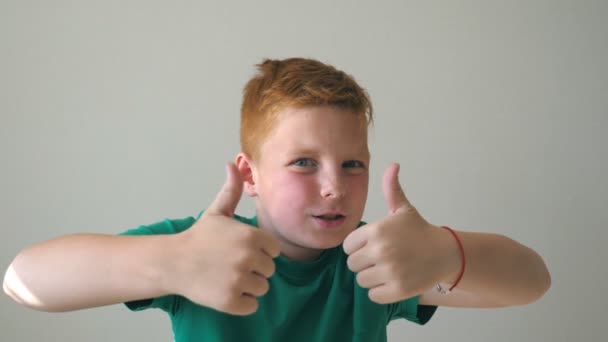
311,180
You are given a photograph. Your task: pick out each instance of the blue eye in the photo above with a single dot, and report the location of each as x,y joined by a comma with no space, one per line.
353,164
304,162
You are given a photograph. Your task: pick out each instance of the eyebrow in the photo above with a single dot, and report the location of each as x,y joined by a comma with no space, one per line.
299,151
312,152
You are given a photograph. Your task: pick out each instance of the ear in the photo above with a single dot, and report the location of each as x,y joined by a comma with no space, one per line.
245,166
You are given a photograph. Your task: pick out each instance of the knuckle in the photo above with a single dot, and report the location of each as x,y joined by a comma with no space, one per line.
275,248
349,263
378,251
250,306
227,302
271,269
243,259
264,287
249,235
234,282
360,279
393,269
371,231
373,296
242,306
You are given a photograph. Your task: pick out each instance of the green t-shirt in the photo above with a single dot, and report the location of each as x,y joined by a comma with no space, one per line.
307,301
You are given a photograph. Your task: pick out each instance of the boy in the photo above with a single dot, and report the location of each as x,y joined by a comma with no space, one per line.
298,270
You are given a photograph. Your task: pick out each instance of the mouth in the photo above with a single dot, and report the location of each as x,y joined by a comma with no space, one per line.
329,220
330,217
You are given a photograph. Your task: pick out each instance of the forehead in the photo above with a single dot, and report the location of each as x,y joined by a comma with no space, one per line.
321,128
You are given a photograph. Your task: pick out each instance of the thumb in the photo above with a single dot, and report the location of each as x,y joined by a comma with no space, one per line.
228,198
393,192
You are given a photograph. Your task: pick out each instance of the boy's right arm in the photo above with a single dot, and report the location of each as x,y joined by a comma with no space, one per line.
89,270
218,262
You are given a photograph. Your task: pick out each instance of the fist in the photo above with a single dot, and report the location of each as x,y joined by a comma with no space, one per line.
225,264
397,257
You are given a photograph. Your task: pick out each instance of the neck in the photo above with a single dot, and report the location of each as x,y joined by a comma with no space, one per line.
297,253
289,249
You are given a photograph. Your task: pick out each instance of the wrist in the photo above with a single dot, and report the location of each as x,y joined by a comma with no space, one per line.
451,256
169,247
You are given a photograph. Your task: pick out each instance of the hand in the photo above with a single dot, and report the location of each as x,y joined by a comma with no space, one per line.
224,264
399,256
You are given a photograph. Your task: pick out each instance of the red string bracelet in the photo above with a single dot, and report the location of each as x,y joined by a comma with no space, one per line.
462,267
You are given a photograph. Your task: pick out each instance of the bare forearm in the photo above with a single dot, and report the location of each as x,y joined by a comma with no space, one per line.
501,270
88,270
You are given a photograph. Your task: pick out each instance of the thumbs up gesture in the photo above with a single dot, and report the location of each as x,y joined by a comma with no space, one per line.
399,256
223,263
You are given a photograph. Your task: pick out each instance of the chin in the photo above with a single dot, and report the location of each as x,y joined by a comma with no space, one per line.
313,238
323,243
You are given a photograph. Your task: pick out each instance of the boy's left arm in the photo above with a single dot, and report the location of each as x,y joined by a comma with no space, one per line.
499,272
403,255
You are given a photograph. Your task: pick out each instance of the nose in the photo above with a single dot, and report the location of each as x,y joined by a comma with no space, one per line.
332,185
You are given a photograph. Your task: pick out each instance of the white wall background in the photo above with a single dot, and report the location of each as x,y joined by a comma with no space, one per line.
120,113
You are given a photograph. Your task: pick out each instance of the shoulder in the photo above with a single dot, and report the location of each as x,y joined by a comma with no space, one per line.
177,225
165,226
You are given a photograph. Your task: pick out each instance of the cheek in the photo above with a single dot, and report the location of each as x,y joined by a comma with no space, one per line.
291,190
358,189
358,186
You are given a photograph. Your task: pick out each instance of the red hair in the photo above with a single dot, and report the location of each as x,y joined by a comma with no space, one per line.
295,82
